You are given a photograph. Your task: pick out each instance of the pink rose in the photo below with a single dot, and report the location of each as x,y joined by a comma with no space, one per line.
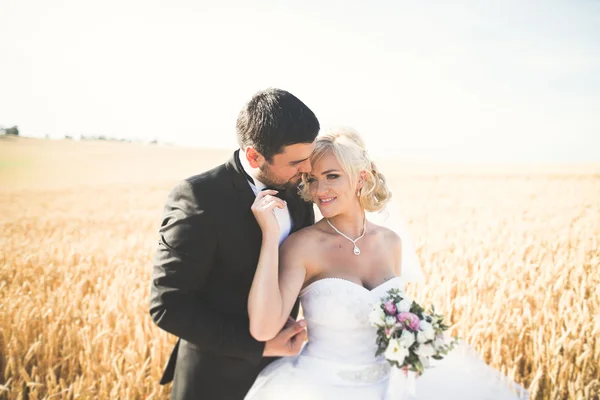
390,308
409,320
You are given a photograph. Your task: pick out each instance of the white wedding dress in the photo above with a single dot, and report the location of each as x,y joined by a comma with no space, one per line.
338,361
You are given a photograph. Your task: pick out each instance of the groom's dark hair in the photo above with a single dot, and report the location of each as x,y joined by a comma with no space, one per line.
273,119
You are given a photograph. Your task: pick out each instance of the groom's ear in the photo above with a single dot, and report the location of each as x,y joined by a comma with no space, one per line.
255,159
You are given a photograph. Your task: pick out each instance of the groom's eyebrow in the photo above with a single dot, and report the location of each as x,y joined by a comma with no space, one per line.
298,161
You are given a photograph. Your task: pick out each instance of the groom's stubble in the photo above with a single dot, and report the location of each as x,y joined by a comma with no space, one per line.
284,170
268,176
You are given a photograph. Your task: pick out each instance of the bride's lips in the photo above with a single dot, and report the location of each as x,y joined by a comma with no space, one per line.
325,201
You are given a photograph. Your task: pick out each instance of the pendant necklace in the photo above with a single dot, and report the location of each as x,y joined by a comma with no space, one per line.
356,249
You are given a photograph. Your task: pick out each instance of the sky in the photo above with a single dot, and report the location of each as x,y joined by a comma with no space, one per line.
448,81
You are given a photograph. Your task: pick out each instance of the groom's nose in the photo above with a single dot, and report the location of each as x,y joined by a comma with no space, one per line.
305,167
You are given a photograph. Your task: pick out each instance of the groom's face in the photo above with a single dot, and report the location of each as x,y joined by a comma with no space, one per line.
286,168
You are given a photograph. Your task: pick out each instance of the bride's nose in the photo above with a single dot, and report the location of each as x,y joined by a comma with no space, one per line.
322,188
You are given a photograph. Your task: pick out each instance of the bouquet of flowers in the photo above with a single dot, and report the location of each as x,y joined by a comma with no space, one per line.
407,335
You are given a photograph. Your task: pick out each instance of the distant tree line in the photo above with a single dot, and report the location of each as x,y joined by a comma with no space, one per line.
10,131
14,131
96,137
107,138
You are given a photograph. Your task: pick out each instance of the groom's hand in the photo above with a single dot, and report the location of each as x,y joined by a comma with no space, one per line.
288,342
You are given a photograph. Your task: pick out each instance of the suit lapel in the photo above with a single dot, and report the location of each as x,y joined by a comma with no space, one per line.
240,182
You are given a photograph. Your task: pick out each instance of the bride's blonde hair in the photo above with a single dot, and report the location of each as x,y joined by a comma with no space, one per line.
349,149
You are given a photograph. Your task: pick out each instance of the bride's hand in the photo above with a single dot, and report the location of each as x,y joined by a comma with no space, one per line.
263,209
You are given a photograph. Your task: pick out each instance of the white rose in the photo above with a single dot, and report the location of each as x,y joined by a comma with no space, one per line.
377,316
390,321
407,338
396,352
425,350
429,334
427,330
404,305
421,337
423,325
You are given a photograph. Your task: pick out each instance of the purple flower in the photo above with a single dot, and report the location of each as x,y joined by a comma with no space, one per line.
390,308
410,320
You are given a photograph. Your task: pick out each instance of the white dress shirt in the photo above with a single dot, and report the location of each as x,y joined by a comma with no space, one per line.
282,214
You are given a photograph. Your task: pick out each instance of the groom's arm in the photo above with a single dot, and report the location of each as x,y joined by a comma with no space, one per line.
185,257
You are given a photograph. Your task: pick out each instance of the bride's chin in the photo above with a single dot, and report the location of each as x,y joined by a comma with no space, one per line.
326,213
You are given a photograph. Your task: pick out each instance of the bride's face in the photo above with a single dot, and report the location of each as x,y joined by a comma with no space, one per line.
330,186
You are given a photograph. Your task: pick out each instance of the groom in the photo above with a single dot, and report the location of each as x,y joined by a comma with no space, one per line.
208,249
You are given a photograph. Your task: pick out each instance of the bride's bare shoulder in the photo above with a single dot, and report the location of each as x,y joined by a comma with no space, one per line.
388,236
304,239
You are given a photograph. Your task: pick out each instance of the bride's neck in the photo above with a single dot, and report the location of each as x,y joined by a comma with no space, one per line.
351,223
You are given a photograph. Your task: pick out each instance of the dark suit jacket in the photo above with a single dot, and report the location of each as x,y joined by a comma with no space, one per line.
207,254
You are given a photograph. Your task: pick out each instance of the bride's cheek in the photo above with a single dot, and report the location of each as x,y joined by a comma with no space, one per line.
343,183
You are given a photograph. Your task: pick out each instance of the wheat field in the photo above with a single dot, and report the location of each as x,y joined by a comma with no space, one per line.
511,254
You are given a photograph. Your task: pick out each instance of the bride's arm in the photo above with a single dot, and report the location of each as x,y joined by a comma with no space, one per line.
278,279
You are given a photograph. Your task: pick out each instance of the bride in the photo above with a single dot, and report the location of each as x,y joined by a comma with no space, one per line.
339,268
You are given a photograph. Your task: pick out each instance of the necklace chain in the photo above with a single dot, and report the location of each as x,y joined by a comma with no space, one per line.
356,249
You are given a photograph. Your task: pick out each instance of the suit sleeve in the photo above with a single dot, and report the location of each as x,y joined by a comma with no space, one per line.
185,256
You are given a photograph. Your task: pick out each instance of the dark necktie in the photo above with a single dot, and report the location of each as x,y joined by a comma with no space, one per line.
280,193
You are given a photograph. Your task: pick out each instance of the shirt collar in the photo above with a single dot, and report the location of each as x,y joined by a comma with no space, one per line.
249,171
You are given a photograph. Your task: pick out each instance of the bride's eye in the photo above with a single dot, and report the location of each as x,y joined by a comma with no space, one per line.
310,179
332,176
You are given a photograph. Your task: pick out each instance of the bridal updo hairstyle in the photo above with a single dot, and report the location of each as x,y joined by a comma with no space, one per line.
349,149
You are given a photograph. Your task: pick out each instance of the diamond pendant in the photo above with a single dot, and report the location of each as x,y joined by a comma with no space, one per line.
356,250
